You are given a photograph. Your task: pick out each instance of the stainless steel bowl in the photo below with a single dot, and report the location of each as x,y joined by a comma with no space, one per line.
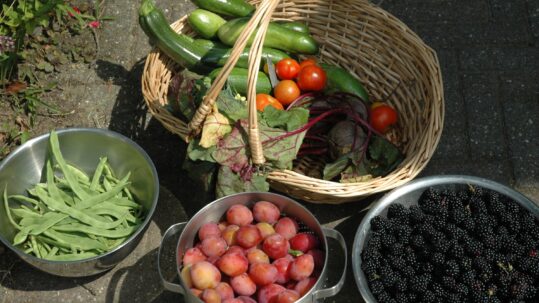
214,212
22,169
408,195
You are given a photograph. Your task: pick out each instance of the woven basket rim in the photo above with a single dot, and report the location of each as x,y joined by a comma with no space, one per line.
338,192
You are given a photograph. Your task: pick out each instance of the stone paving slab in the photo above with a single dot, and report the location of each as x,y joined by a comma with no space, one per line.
488,50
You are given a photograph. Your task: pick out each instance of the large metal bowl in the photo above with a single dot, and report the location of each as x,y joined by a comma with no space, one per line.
214,212
82,147
408,195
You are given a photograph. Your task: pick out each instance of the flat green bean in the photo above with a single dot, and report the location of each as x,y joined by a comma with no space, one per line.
8,210
72,256
75,212
75,241
98,172
114,233
55,148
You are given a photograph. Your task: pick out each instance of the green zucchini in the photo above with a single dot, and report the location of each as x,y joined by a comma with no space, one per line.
217,55
232,8
340,80
205,23
237,79
296,26
276,37
178,47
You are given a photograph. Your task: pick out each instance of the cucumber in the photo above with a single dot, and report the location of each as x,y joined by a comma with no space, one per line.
209,44
232,8
217,55
205,23
178,47
276,37
340,80
237,79
296,26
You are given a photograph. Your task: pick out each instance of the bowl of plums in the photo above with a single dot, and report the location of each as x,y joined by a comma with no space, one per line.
253,247
449,239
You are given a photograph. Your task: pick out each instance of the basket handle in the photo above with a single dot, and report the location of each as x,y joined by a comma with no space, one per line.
260,20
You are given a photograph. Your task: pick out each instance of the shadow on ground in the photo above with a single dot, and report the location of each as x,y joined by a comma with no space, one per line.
130,117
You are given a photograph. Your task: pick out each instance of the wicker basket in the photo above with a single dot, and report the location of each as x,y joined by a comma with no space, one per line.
371,44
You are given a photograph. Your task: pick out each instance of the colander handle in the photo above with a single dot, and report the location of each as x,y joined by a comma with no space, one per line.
172,231
331,291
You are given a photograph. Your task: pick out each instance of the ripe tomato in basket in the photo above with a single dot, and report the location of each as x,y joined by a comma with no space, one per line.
263,100
382,117
287,69
312,78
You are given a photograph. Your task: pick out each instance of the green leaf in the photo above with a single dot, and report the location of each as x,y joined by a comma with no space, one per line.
286,119
231,105
279,150
332,170
196,152
383,156
229,183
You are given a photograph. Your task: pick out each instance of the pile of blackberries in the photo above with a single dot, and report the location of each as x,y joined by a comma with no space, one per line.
459,245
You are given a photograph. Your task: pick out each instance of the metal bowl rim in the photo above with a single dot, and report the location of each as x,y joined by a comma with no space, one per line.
416,184
108,133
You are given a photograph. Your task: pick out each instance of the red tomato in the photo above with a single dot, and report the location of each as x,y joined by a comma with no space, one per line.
383,116
287,69
286,91
263,100
307,62
312,78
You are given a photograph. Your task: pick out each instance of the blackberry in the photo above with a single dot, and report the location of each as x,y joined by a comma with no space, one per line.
420,283
490,255
494,204
388,277
401,297
398,263
375,241
398,211
438,259
428,297
480,297
380,224
450,283
396,250
473,247
369,266
384,297
388,240
403,234
427,267
468,277
512,207
451,268
478,205
401,285
457,216
438,290
456,251
412,297
462,289
483,224
468,224
523,291
417,241
453,298
529,265
408,272
376,287
416,214
426,230
466,263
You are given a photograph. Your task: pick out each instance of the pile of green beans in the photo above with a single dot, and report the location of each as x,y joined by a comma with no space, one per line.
71,216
